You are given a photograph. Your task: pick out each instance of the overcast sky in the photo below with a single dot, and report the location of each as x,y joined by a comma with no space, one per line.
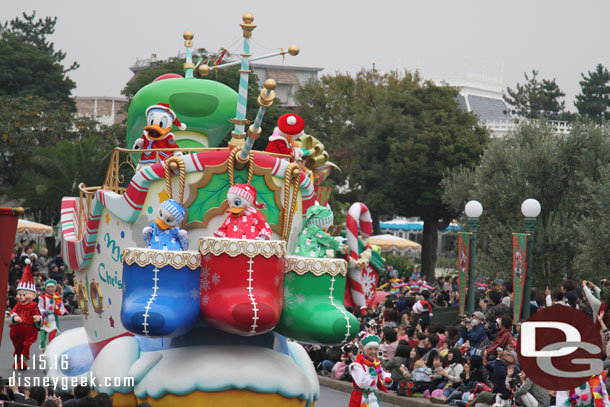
444,38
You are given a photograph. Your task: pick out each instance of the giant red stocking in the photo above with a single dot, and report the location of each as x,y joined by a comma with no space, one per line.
241,284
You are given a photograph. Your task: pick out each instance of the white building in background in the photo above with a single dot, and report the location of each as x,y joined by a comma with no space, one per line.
107,110
483,97
288,78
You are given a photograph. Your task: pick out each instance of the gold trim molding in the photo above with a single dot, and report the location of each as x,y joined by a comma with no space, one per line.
162,258
97,299
316,266
236,247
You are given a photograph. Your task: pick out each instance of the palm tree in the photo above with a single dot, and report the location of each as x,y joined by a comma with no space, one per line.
55,172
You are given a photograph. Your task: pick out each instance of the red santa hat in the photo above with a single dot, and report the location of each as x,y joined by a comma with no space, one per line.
290,125
165,107
27,281
248,192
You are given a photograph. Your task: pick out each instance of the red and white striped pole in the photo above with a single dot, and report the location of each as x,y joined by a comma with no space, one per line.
358,221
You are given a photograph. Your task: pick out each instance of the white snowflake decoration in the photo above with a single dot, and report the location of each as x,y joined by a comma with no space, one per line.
206,259
194,293
204,300
215,278
205,271
289,277
204,282
300,299
368,284
276,281
288,292
288,321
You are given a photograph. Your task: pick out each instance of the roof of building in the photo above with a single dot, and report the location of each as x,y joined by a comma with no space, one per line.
462,103
286,67
488,109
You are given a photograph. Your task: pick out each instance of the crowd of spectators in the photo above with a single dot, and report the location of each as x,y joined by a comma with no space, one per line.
44,267
471,362
13,396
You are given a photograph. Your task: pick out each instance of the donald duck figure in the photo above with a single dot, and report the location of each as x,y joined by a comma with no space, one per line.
244,221
165,232
159,121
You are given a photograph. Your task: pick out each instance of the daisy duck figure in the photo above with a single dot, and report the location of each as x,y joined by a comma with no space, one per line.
157,134
244,220
165,232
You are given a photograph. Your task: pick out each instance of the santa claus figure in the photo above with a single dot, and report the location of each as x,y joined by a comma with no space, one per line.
244,220
283,140
157,134
25,319
51,307
367,374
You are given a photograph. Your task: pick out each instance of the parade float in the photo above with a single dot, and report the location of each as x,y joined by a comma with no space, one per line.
179,305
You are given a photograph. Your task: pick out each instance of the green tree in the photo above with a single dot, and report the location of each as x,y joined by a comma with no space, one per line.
29,123
55,172
29,63
594,98
396,137
227,76
537,99
330,107
594,230
414,138
560,171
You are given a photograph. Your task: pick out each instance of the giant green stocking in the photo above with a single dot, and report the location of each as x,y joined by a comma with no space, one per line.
313,310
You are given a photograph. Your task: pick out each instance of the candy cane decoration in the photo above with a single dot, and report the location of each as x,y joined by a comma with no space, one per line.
358,220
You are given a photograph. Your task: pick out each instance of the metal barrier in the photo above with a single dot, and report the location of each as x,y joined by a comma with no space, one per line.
446,316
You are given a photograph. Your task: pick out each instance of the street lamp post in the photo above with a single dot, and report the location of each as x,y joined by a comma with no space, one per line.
473,210
530,208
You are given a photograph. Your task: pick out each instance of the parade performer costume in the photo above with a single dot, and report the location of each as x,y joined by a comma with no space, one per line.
25,318
313,310
165,232
289,127
590,394
368,376
159,121
244,220
51,307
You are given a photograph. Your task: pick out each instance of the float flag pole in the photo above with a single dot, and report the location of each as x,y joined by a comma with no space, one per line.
188,65
265,100
238,135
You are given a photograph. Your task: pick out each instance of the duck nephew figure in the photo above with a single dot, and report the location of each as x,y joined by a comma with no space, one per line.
244,220
165,232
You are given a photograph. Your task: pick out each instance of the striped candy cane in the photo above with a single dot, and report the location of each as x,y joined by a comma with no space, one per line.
358,220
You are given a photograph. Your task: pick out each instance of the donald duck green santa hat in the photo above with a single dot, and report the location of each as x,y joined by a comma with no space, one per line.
319,216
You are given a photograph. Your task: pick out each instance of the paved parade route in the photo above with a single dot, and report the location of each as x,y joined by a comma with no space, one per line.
328,397
6,348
